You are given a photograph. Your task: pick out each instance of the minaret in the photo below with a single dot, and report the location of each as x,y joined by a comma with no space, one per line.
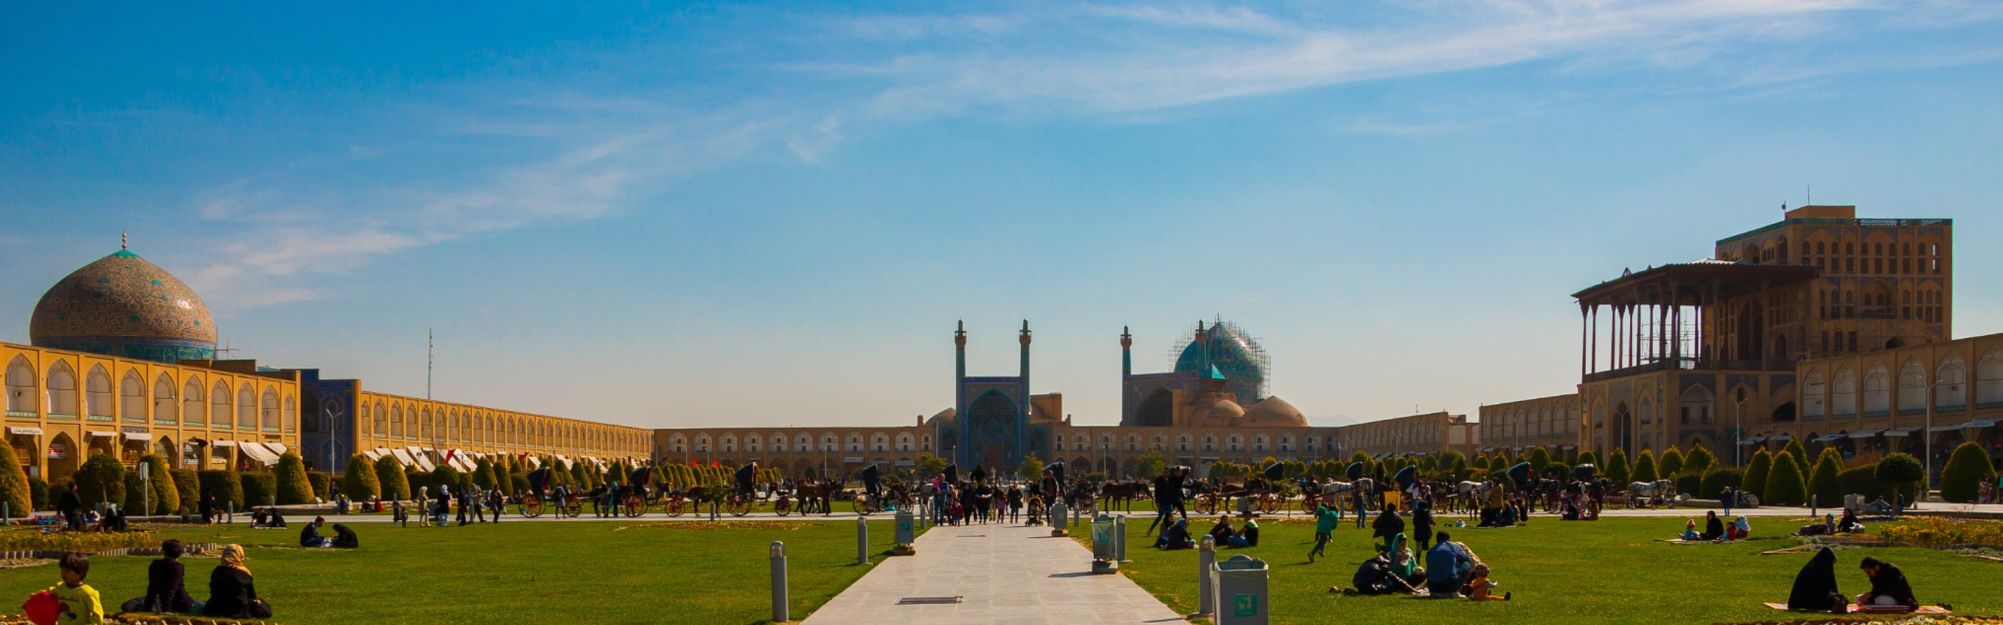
1126,353
1022,407
959,393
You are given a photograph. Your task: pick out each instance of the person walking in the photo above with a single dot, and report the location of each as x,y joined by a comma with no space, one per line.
495,504
70,505
1160,486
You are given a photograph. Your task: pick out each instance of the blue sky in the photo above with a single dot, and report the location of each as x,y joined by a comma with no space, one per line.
662,214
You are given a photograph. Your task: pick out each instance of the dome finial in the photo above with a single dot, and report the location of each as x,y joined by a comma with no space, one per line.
121,239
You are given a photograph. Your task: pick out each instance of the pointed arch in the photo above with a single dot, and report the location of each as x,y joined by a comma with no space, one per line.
268,410
1951,384
20,387
97,392
165,409
1814,396
1843,393
194,406
132,396
246,407
1912,386
1989,379
220,413
1877,391
289,415
61,388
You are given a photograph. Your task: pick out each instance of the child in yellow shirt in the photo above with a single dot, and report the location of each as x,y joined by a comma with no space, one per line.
80,603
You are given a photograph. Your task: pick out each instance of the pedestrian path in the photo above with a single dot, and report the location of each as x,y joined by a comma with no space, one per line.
1003,574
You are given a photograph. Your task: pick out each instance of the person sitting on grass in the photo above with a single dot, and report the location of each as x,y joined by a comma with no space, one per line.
1176,537
1222,532
79,602
1815,586
1377,577
1714,528
1388,524
1690,531
165,587
1849,524
345,538
1247,536
1479,586
1889,588
1448,566
1404,564
1738,529
232,592
310,537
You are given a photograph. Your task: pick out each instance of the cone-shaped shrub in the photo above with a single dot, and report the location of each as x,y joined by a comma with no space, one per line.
395,484
14,488
293,487
1784,486
1671,463
1756,473
1967,469
1616,468
1822,482
1903,471
359,482
1644,467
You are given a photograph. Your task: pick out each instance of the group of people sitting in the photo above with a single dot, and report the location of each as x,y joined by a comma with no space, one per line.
1451,570
1831,525
1177,535
1716,529
232,591
344,538
1815,587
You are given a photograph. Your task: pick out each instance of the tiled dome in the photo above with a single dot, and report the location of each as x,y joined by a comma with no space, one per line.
123,305
1275,412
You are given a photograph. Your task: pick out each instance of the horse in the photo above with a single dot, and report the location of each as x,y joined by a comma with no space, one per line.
1123,494
1639,493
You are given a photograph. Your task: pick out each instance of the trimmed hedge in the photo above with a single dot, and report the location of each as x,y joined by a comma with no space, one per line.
1799,453
1822,482
166,494
101,479
1903,470
224,486
259,489
14,487
290,485
322,484
395,484
188,488
1690,484
359,482
1757,471
1784,486
1967,469
1672,461
1699,461
1715,482
1644,468
1616,468
135,494
38,492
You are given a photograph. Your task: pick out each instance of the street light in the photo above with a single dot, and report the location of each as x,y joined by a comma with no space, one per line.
1933,391
1739,429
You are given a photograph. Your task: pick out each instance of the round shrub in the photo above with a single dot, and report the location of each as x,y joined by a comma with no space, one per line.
1757,471
1785,486
1616,468
1715,482
1822,481
188,489
224,486
259,489
291,485
1902,470
14,487
322,484
166,494
445,475
1539,458
395,484
359,482
1967,469
1644,467
101,480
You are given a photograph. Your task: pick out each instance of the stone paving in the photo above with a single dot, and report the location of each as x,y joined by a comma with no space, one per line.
1005,574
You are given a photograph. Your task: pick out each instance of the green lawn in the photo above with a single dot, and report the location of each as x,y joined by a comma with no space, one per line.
610,572
1604,571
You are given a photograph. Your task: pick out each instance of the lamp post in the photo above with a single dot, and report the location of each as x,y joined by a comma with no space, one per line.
1933,393
1739,430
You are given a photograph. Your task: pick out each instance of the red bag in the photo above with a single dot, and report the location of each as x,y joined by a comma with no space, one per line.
43,608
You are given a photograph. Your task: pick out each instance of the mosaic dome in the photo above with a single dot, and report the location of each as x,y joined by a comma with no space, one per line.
123,305
1238,357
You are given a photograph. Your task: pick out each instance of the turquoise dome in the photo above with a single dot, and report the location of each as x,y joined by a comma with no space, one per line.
1226,350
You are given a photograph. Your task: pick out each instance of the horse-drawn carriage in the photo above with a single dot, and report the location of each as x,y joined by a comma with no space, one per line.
542,495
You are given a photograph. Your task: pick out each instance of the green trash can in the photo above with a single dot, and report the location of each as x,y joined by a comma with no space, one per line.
1240,587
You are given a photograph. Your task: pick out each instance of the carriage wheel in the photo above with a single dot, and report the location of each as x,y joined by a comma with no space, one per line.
1308,505
531,506
1207,505
1269,504
673,507
861,505
635,506
572,508
783,506
740,506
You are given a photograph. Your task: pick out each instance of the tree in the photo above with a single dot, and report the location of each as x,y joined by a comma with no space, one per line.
1588,457
14,488
1671,462
259,489
188,487
224,486
101,480
1822,482
1030,469
166,496
1784,486
293,487
930,465
1151,464
1902,470
1539,458
1800,455
395,483
483,475
1617,468
1967,469
1757,470
1699,461
1644,467
360,482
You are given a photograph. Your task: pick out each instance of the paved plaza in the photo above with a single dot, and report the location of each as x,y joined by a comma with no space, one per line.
1003,574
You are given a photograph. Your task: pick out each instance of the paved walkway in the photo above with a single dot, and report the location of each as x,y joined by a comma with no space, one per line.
1005,574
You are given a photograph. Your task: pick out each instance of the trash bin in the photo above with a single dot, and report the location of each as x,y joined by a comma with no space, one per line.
1240,587
907,533
1104,560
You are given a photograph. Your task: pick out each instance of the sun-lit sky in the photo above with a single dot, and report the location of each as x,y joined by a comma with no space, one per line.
750,215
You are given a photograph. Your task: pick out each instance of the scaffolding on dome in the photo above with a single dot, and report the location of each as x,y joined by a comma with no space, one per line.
1257,365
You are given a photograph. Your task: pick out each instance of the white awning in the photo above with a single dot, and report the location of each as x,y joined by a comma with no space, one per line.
402,457
1900,431
24,431
423,459
1866,433
1979,424
533,462
375,454
104,434
224,443
276,448
258,452
1830,437
137,436
1779,438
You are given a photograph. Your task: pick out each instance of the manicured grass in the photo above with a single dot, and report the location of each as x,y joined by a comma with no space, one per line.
1606,571
610,572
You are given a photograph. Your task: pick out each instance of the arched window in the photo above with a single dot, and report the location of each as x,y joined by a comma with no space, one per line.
1210,442
1259,442
246,408
219,406
395,420
1989,379
803,444
854,442
1182,443
829,443
879,442
1950,390
97,393
20,387
1877,391
1912,387
729,443
1843,393
677,443
904,441
290,417
269,414
1234,443
193,408
165,410
132,397
1815,396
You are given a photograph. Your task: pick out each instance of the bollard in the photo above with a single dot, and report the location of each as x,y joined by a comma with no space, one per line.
861,541
6,518
1812,504
1120,538
780,612
232,517
1206,555
1057,526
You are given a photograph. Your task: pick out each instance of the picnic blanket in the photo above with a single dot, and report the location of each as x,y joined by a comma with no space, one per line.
1679,541
1858,609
